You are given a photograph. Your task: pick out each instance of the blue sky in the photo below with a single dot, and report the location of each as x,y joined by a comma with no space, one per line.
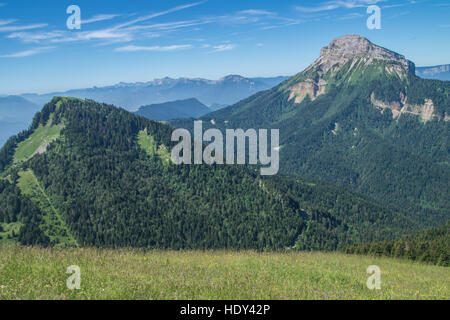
131,41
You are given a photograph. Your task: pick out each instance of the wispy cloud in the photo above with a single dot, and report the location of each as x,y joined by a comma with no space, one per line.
134,27
21,28
257,12
284,24
169,25
337,4
353,15
122,32
223,47
158,14
35,37
8,21
100,17
27,53
133,48
401,4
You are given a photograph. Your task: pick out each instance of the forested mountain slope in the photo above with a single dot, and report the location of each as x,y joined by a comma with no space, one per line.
360,118
432,246
92,174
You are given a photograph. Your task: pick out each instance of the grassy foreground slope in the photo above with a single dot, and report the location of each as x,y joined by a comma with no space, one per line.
37,273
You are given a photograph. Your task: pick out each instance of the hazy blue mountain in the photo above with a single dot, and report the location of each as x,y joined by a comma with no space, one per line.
131,96
15,108
16,114
271,82
190,108
216,106
441,72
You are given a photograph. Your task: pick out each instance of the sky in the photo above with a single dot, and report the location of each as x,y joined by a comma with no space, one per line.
138,41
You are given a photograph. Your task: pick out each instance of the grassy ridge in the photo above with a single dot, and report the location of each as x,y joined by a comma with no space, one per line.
149,145
37,142
36,273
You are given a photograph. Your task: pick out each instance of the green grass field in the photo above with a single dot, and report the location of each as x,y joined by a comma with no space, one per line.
148,144
37,142
37,273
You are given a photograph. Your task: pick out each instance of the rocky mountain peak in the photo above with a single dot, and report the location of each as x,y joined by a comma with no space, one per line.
345,48
360,52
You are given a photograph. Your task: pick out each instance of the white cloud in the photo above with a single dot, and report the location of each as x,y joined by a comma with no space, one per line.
122,32
8,21
35,37
337,4
27,53
100,17
401,4
21,28
99,34
169,25
133,48
285,24
353,15
223,47
257,12
133,28
158,14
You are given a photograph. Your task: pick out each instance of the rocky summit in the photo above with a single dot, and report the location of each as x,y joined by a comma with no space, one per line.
345,48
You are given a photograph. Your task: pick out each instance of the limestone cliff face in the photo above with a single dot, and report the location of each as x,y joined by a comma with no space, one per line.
350,48
309,88
358,54
425,111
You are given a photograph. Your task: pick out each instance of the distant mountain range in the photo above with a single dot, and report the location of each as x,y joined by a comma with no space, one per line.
441,72
131,96
215,93
16,114
189,108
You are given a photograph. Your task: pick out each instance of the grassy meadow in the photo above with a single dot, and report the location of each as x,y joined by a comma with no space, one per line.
37,142
39,273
